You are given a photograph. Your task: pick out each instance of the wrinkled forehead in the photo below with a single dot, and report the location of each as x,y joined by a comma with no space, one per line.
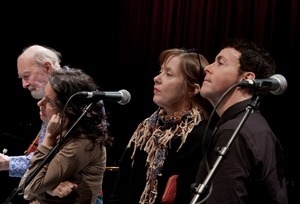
24,61
26,66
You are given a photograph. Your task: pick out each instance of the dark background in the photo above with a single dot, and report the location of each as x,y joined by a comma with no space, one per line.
118,43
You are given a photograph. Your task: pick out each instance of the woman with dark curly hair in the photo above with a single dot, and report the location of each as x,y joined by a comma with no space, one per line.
81,152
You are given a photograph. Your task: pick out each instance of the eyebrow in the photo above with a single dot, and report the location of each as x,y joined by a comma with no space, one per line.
50,100
219,57
26,73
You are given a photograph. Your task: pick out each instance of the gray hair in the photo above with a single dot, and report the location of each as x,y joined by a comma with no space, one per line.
42,54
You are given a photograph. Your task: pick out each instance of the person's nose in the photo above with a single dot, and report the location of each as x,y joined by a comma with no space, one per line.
208,68
25,83
156,79
41,102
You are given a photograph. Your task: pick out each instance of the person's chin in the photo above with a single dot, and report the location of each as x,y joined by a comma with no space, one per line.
203,91
155,100
43,118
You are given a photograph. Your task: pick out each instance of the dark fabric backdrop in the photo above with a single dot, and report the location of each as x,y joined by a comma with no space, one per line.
118,43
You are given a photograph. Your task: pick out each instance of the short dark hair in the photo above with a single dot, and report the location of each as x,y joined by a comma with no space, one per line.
253,58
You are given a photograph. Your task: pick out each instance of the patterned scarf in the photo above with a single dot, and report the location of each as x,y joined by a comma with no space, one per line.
153,136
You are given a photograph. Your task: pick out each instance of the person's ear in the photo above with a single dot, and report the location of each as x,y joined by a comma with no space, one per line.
48,67
247,75
196,89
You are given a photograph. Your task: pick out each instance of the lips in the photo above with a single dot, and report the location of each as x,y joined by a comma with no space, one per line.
205,81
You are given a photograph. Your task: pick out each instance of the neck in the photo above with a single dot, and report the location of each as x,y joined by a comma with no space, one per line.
175,114
176,109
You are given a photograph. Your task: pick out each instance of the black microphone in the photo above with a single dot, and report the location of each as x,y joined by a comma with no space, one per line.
276,84
122,97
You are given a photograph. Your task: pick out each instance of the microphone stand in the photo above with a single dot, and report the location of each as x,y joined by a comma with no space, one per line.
48,158
223,152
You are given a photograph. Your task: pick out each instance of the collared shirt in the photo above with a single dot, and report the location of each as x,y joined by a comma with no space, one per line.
253,169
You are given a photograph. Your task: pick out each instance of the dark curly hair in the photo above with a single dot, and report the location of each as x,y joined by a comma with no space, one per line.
253,58
68,82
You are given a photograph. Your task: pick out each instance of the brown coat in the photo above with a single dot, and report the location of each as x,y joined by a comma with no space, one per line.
73,163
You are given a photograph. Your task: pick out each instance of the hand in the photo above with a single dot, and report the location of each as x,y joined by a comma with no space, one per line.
4,162
54,125
63,189
54,130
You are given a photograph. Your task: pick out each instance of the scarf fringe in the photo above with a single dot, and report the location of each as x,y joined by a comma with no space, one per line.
154,139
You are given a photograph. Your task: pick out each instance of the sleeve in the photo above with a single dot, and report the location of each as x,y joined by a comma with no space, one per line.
18,165
68,161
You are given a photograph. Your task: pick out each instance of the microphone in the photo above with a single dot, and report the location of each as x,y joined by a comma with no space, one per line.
122,97
276,84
